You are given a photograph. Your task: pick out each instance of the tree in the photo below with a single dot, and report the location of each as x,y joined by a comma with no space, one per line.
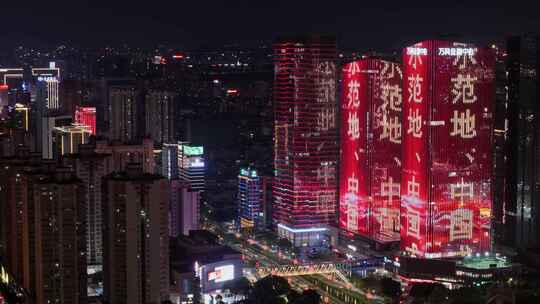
284,244
237,287
390,288
429,293
439,294
270,290
467,295
308,296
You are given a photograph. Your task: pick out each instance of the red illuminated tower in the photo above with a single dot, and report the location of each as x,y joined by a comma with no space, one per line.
370,167
305,137
86,116
447,158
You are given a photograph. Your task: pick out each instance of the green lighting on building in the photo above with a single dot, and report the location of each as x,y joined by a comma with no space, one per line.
193,150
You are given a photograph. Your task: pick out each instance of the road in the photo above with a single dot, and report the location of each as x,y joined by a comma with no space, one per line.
265,258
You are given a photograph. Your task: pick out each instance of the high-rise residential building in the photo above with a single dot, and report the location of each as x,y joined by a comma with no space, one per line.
500,147
45,137
305,137
191,165
123,154
136,241
66,139
184,208
86,116
14,139
18,177
90,167
169,160
59,250
21,117
124,111
370,166
250,207
521,208
448,96
267,202
159,112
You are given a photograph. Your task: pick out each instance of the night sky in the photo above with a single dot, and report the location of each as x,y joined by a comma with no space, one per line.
375,24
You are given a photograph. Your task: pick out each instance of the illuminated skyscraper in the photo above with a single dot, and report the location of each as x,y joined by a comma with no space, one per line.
191,165
86,116
447,149
370,164
305,137
135,241
169,161
250,207
50,77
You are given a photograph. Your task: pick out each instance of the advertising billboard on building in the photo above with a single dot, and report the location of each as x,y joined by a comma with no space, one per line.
447,158
370,166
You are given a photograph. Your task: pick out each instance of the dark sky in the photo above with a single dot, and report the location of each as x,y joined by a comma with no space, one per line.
375,24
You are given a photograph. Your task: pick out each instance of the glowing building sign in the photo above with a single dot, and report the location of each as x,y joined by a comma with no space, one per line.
371,133
447,158
248,173
196,162
86,116
222,274
193,150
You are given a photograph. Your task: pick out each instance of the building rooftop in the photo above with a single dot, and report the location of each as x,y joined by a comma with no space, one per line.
485,262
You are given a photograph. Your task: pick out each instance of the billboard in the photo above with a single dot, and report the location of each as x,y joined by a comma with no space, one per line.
193,150
214,276
447,159
222,274
371,149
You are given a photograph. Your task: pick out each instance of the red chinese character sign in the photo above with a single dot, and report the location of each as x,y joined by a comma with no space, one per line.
414,181
371,149
446,202
385,146
354,199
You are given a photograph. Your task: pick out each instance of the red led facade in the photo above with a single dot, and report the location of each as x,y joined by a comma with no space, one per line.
306,134
86,116
370,166
448,94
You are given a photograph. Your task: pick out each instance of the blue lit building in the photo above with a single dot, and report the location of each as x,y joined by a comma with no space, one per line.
250,211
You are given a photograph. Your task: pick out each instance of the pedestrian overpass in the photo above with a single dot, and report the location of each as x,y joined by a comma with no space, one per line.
341,270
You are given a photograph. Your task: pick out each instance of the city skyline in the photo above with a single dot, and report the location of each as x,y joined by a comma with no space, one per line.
259,153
